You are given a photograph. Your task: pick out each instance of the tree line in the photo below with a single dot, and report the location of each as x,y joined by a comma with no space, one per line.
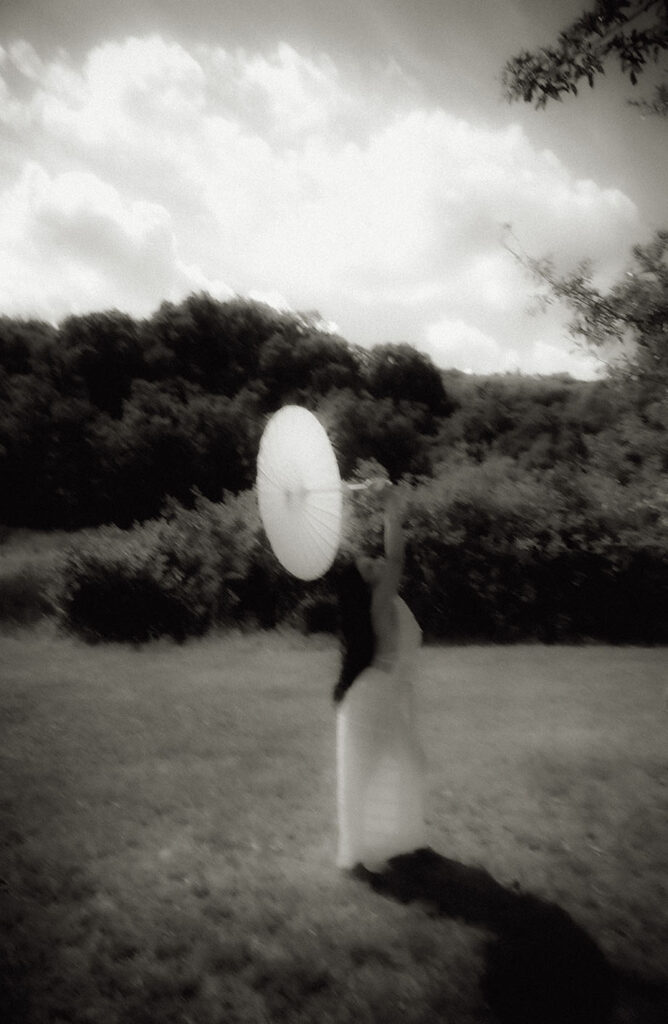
104,416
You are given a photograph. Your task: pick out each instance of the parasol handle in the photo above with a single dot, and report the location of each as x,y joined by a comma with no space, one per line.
363,486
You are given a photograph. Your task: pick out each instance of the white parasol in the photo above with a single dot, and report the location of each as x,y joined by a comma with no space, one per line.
299,492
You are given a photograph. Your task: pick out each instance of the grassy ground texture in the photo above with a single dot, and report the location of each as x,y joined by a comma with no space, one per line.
168,828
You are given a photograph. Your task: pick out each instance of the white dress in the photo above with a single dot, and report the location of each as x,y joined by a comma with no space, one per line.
380,764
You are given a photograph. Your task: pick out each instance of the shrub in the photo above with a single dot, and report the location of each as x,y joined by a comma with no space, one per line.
169,576
501,554
494,552
27,593
120,595
179,575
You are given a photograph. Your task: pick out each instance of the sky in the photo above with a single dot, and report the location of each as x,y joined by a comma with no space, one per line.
354,158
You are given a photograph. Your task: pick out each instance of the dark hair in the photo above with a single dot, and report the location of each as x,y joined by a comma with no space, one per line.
356,628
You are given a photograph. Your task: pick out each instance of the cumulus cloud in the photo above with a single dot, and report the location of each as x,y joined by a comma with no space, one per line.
456,343
84,248
152,170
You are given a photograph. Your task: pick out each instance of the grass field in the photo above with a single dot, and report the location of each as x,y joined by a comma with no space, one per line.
168,828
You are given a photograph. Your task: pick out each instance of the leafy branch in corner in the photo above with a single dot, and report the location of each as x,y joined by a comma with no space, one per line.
630,320
633,31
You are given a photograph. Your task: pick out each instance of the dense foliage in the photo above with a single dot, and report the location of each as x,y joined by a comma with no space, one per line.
536,507
104,417
634,32
494,552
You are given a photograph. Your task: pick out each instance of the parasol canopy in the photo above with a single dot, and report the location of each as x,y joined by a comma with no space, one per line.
299,492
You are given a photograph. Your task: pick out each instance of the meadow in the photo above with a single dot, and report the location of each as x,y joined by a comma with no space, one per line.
168,828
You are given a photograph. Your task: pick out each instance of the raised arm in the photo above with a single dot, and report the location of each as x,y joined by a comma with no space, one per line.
394,517
395,545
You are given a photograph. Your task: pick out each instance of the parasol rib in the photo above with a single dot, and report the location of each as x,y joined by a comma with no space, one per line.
320,531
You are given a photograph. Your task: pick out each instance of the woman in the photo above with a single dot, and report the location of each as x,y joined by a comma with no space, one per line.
380,766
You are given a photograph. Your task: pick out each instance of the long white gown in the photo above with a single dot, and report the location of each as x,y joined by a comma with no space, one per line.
380,764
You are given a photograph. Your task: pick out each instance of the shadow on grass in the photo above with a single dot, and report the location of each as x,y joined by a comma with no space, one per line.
541,967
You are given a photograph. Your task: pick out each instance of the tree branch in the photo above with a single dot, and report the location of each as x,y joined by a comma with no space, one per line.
583,47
